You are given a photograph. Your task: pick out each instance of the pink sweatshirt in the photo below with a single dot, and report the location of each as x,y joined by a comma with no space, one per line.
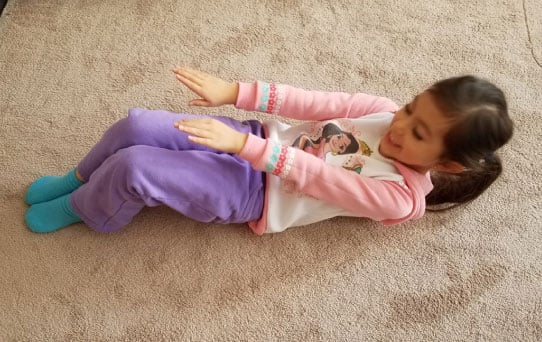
329,165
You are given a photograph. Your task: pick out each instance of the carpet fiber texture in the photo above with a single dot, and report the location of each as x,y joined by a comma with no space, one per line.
70,68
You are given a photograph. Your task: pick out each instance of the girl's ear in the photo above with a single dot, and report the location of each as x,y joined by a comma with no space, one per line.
449,167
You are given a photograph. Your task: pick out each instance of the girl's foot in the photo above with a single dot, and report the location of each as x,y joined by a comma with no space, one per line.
50,187
49,216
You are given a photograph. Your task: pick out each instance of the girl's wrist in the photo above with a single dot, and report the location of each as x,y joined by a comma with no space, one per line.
233,92
241,141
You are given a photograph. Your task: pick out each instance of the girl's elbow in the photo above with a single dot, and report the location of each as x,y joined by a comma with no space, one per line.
400,209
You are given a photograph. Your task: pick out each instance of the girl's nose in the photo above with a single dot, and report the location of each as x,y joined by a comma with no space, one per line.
400,126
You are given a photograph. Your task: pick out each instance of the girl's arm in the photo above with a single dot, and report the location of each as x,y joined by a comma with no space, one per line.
280,99
363,196
301,104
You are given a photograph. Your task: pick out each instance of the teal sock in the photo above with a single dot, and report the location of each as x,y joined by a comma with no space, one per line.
50,187
49,216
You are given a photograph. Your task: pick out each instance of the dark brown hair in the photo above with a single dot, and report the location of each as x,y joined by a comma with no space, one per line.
480,126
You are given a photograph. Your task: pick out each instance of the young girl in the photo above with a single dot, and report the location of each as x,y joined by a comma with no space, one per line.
439,148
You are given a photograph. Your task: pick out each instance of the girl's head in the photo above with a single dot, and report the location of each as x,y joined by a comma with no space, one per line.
453,129
481,126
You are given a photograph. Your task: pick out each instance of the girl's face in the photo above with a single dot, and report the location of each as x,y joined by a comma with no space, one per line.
416,134
339,142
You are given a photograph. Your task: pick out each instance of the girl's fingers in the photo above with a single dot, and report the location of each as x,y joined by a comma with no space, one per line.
190,74
196,127
203,122
199,136
187,82
200,140
194,132
195,73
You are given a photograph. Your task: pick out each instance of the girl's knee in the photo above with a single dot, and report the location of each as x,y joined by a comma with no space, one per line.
138,122
135,172
136,129
145,127
127,131
131,161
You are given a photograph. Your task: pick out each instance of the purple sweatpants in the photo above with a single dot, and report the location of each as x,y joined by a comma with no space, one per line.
142,160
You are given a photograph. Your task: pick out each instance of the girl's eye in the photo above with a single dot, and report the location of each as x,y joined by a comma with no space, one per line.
407,109
417,135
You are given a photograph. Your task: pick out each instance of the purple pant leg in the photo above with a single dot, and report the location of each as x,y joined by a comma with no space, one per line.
143,127
201,183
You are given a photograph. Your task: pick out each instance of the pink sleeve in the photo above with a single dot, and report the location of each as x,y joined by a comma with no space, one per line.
363,196
303,104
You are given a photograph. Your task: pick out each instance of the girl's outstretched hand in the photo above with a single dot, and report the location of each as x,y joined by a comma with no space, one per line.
212,90
213,133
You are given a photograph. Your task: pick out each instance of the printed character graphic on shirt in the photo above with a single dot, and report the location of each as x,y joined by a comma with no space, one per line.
328,140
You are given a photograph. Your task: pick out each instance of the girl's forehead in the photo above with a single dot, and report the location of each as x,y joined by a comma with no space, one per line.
428,103
430,114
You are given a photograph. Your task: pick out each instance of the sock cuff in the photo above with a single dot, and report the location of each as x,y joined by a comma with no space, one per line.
67,207
72,179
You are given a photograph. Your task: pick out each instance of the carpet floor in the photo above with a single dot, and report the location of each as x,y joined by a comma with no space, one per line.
70,68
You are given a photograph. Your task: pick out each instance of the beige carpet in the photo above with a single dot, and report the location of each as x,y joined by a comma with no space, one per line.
70,68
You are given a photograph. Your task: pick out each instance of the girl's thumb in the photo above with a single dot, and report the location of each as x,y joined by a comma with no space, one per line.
199,102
